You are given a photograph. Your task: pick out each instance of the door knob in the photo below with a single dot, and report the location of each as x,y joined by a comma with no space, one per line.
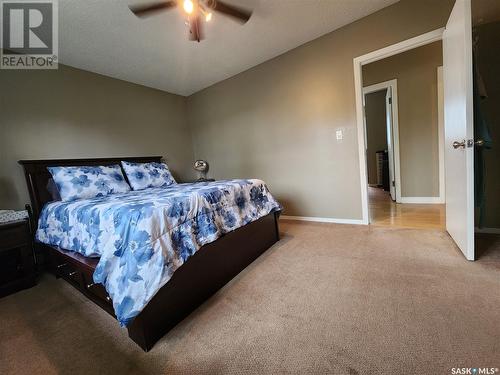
457,144
479,143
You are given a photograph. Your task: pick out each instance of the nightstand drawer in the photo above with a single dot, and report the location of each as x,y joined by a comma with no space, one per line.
11,265
17,263
14,235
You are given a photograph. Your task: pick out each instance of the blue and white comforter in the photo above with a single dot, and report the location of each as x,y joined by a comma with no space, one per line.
143,237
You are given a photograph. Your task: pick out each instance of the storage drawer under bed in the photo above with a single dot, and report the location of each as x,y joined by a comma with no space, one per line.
95,289
78,271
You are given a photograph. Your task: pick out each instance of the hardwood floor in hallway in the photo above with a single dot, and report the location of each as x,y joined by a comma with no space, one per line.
385,212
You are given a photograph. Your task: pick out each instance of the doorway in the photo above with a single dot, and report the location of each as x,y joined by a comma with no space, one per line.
382,137
403,138
461,136
359,62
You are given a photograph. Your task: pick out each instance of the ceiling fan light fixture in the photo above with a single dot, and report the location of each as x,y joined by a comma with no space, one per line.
188,6
195,12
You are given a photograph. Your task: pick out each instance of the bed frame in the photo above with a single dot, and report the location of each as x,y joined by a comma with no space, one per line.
194,282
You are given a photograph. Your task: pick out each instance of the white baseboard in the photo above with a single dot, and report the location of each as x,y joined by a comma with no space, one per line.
487,230
323,219
422,200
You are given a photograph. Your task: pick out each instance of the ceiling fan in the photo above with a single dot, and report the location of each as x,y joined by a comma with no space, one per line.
196,10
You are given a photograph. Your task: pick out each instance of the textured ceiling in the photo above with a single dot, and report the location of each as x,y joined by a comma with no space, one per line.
103,36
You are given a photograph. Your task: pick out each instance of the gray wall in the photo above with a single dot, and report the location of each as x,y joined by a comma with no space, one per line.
376,131
489,67
277,121
416,72
70,113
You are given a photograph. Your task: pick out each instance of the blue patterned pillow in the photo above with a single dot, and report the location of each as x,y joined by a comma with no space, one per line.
88,182
147,175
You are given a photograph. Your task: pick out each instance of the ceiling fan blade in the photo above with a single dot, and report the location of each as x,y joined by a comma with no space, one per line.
149,9
196,29
240,14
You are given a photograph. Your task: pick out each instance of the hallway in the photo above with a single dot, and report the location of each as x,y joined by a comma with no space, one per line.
385,212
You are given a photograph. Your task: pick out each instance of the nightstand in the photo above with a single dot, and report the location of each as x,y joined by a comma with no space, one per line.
17,262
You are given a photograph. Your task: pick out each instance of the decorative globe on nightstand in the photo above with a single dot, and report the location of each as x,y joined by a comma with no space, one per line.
202,167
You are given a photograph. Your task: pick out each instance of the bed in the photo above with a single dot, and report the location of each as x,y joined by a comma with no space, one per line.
205,262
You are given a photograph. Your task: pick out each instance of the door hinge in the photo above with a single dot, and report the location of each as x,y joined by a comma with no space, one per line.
394,183
390,100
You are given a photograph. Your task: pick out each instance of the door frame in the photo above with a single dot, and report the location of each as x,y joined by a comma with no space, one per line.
358,62
440,88
393,86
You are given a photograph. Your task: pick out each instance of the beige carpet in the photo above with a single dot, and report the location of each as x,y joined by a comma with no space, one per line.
328,298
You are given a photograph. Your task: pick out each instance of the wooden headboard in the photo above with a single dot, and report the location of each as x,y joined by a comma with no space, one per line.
37,175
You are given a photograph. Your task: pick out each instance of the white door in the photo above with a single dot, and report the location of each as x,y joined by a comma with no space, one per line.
390,141
458,124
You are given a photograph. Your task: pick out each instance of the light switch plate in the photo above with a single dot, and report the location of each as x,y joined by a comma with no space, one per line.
339,134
